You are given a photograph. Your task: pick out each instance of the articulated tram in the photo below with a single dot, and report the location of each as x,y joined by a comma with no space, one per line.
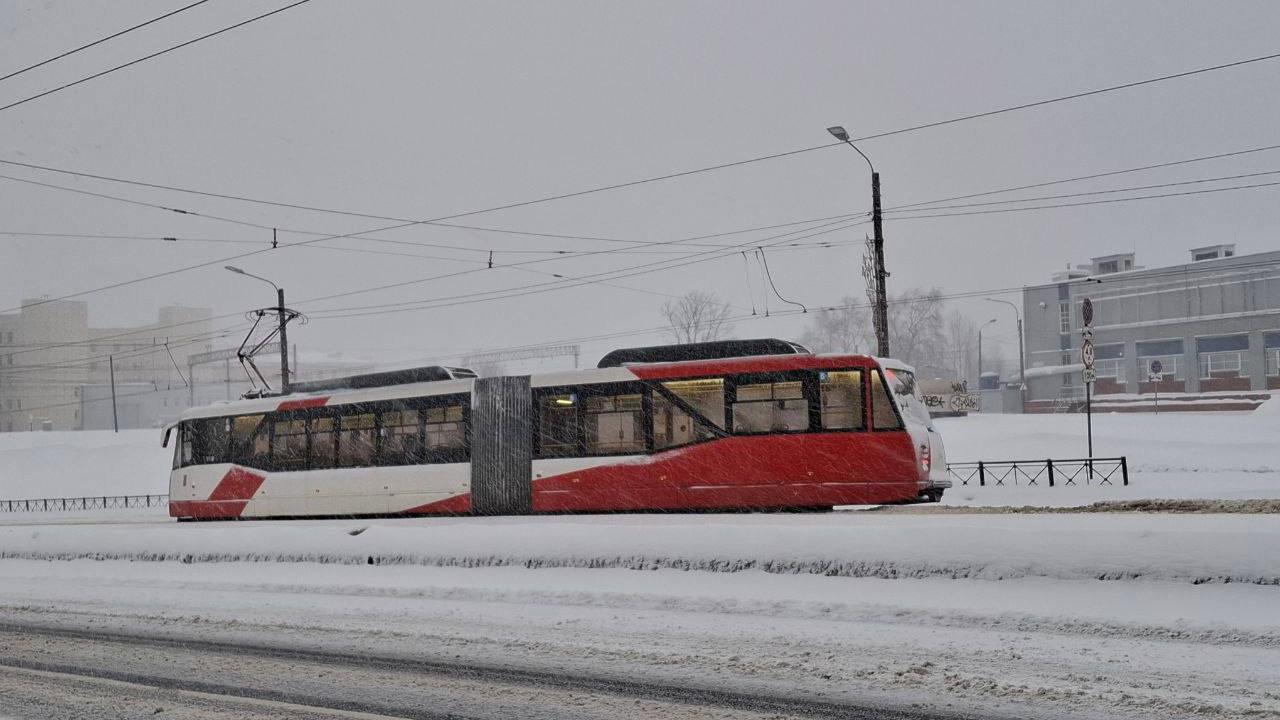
742,425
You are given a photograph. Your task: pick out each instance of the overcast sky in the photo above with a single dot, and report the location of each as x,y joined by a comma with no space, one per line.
425,109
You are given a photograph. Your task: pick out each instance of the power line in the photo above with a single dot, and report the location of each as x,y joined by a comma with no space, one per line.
1133,188
1088,202
144,58
1073,96
1094,176
99,41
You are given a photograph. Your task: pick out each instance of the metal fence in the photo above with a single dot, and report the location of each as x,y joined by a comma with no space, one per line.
100,502
1069,471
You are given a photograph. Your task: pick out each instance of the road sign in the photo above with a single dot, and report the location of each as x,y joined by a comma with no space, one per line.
1156,367
1154,377
1086,311
1087,354
1090,375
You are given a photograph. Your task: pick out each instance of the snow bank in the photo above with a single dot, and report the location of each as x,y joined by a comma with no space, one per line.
1182,548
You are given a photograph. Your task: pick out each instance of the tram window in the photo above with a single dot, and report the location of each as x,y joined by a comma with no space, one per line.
400,439
673,427
883,416
204,442
446,433
705,395
246,445
322,442
770,408
289,444
841,400
614,424
557,425
356,440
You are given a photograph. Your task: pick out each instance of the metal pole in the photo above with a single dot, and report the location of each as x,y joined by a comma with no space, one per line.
882,297
115,419
227,363
1022,363
284,343
1088,414
980,358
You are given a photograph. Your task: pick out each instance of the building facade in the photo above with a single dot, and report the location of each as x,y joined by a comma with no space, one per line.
50,357
1211,324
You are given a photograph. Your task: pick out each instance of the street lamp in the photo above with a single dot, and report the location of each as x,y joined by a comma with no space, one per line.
980,327
881,311
284,319
1022,361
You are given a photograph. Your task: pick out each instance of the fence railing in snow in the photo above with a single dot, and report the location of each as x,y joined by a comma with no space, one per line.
1051,472
99,502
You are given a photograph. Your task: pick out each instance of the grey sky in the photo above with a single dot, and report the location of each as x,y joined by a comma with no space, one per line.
419,109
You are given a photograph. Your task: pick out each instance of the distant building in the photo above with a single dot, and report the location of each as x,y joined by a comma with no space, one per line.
50,356
1212,324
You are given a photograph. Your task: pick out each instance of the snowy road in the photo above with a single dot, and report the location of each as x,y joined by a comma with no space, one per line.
480,641
55,672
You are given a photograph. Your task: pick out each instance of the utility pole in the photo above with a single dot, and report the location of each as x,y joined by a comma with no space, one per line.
284,341
980,328
284,315
880,312
115,419
1022,360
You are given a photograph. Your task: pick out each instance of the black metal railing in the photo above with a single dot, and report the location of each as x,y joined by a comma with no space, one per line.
99,502
1069,471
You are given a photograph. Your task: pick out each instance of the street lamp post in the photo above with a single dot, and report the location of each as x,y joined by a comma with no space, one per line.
284,320
980,327
1022,361
880,313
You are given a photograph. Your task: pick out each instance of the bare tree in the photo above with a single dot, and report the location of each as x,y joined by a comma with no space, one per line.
696,316
961,344
842,329
915,327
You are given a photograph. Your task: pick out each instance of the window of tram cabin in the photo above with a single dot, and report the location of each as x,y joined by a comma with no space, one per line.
289,444
357,440
841,400
401,434
884,416
557,417
614,424
446,433
705,395
769,407
324,441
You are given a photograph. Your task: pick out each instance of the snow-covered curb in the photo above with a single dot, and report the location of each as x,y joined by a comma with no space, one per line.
1193,549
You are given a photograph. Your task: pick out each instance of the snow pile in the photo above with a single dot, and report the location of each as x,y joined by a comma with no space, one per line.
1181,548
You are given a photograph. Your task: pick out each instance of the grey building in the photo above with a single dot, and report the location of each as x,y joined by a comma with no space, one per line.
1213,324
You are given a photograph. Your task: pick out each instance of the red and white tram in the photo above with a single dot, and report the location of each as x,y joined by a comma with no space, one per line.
782,430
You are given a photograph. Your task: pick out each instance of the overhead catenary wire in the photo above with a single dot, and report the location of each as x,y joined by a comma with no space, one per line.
669,176
101,40
156,54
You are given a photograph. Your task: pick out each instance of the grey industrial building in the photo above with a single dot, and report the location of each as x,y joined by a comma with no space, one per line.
1213,325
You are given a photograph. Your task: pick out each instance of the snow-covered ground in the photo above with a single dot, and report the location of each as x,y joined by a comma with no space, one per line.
1127,615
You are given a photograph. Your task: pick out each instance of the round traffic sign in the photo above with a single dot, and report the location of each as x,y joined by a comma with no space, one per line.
1156,367
1087,353
1086,311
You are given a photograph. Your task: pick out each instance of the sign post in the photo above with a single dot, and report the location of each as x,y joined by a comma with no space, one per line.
1087,356
1155,376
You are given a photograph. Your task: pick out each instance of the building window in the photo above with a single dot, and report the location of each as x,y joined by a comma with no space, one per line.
1109,266
1271,343
1167,352
1109,362
770,407
1064,317
1223,357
